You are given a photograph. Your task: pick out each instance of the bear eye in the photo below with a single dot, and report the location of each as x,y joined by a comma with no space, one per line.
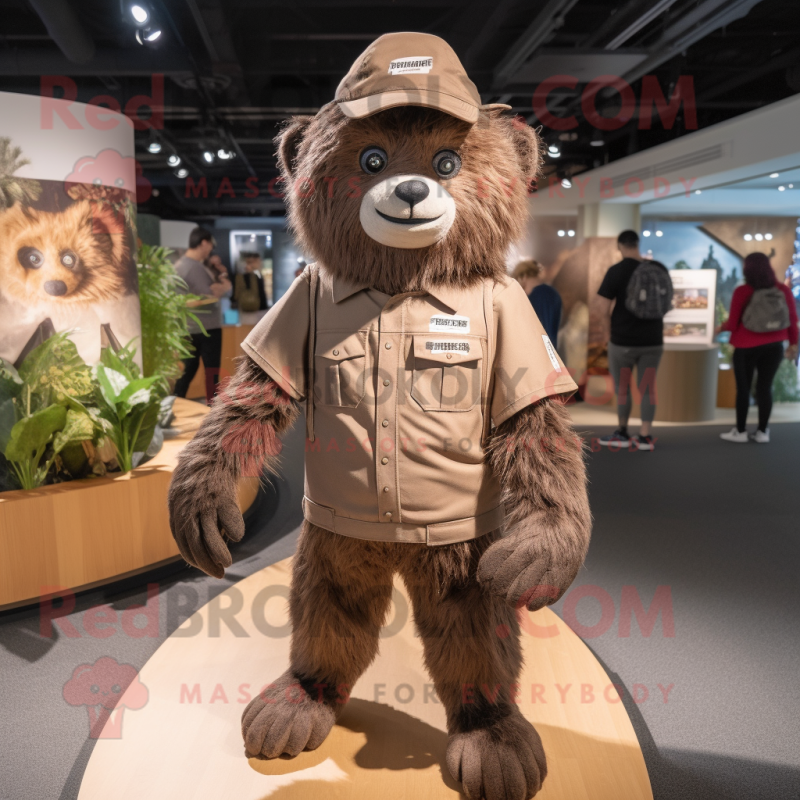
97,181
373,160
95,688
119,182
69,259
116,688
30,257
446,164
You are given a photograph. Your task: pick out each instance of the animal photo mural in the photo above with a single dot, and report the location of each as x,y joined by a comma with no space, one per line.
67,257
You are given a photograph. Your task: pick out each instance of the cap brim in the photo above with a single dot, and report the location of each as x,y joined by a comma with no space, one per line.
372,104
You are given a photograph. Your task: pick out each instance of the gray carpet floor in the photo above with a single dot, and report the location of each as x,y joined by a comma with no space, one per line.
714,523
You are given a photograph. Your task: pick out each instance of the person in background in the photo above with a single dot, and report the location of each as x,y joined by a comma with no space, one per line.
249,294
632,342
757,353
211,283
546,301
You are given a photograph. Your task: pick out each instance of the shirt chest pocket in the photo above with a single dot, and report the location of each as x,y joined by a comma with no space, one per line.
446,372
340,367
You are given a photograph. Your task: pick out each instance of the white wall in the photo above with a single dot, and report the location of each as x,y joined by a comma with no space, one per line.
175,233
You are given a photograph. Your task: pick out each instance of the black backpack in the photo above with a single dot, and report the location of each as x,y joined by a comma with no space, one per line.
649,292
767,311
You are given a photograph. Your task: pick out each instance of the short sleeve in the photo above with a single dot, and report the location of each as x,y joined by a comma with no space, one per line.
197,281
526,367
610,284
279,342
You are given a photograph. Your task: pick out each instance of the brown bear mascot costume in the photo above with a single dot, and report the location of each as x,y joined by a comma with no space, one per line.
438,445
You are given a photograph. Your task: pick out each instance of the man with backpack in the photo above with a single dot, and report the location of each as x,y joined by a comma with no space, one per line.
635,295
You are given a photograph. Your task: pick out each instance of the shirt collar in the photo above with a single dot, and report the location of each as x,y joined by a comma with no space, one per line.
447,295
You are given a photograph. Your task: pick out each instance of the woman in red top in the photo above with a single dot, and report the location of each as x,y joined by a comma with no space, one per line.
759,353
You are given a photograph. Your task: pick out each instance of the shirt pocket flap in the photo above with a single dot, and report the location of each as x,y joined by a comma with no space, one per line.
447,350
339,346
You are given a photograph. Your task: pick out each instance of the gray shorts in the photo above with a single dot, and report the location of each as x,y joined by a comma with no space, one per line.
621,362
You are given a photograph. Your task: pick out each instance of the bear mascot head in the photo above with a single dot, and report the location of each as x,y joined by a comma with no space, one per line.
408,193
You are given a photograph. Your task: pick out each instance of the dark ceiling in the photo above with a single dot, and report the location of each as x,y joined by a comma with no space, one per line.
234,69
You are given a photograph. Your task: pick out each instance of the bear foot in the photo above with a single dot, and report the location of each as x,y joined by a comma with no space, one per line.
283,719
503,761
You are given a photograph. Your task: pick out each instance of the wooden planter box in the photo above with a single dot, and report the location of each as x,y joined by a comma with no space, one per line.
85,533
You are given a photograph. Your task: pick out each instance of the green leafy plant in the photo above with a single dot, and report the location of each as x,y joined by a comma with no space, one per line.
165,317
127,403
41,409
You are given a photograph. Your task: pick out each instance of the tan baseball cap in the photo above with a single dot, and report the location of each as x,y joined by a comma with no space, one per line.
409,69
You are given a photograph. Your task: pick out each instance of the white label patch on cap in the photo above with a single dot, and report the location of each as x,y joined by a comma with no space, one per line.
410,64
551,352
449,323
449,346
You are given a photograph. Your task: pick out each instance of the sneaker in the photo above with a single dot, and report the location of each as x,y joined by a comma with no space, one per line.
644,442
762,437
734,435
616,440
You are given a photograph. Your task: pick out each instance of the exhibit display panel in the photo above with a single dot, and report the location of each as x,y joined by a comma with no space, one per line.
175,732
691,320
67,226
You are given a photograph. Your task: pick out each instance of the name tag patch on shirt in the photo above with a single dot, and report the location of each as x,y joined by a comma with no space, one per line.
548,345
443,323
411,64
444,347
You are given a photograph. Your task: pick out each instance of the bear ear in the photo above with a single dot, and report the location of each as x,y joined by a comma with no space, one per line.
288,143
528,147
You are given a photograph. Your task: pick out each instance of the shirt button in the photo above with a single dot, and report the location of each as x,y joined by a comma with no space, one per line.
388,515
386,382
385,488
385,423
449,355
388,345
336,353
384,460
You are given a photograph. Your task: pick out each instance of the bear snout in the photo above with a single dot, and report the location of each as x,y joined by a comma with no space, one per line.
55,288
412,192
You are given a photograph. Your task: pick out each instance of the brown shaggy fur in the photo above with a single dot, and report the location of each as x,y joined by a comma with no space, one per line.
102,269
464,595
238,437
324,184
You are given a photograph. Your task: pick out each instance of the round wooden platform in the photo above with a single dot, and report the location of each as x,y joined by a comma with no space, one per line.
185,742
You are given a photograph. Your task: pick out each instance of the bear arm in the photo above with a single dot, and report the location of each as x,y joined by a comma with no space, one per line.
237,438
538,460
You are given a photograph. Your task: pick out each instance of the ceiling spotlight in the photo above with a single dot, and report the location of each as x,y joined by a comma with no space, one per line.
562,233
154,147
758,237
566,183
781,188
553,151
645,233
768,237
698,191
224,154
748,237
775,175
570,233
174,160
182,172
659,233
148,36
299,259
208,157
140,14
791,186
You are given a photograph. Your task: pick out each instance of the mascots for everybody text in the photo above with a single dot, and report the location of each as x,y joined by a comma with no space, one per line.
439,446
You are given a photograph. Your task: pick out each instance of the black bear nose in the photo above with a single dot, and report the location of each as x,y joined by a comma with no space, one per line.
56,288
412,192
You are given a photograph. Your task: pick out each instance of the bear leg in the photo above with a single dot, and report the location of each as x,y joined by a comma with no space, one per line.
472,652
340,594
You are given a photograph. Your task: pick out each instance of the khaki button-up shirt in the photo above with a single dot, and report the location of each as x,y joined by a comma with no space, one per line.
405,390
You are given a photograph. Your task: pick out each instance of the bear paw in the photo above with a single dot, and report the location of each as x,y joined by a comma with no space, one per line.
504,761
283,719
